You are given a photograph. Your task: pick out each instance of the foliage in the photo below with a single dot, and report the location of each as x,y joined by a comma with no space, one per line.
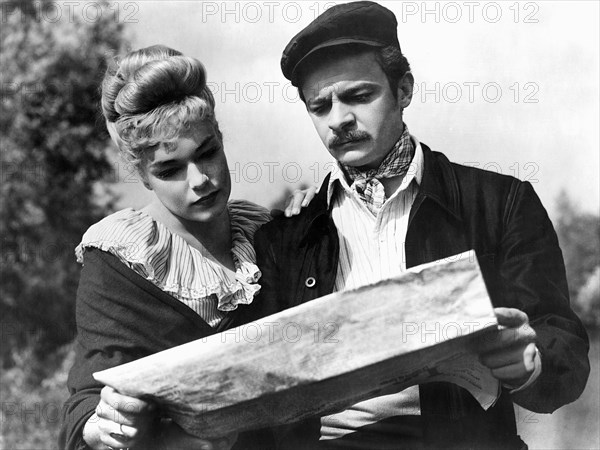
53,153
579,237
30,415
587,302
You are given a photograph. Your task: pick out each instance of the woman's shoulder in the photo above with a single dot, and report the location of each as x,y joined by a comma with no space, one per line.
123,233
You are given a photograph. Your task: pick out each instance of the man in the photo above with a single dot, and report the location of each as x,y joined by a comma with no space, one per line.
394,204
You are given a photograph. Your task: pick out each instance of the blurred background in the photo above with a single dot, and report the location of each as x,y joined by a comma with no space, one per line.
506,86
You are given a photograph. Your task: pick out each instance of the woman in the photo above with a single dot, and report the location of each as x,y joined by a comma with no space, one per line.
177,270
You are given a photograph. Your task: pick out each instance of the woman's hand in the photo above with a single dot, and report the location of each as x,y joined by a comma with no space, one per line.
120,421
299,199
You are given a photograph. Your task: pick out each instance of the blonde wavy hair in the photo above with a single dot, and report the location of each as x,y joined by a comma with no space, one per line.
151,97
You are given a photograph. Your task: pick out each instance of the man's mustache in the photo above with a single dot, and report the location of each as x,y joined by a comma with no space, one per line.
350,136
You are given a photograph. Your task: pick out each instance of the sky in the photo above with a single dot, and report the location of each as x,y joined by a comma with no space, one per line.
506,86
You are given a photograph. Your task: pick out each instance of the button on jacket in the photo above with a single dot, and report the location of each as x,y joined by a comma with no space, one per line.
457,208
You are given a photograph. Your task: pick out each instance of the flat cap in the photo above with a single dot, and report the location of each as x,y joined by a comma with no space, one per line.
350,23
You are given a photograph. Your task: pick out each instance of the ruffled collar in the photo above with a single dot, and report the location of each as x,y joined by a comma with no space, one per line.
167,260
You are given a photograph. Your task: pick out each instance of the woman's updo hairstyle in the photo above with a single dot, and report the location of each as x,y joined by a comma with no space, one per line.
152,96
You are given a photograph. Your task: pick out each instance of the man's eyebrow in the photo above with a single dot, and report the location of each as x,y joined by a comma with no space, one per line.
358,88
343,92
318,100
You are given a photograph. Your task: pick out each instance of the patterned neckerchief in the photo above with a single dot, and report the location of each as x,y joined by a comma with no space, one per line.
366,182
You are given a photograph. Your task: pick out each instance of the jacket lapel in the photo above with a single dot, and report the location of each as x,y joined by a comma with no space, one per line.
435,228
438,184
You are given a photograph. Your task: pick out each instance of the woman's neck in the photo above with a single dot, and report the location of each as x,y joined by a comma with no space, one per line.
212,239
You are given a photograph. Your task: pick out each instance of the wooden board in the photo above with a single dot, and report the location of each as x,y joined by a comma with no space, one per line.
324,355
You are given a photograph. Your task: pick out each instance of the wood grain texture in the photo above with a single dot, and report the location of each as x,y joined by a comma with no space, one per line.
321,356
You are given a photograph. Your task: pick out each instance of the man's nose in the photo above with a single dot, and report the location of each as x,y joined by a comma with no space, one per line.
197,176
341,117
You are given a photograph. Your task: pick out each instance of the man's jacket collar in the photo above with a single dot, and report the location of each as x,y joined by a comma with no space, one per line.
438,184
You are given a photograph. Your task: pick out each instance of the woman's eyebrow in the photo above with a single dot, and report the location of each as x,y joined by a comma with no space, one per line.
167,162
207,141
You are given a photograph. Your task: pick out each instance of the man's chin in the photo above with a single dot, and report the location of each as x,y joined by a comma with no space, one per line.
359,161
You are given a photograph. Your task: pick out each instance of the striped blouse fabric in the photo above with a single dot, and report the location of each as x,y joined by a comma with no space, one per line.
151,250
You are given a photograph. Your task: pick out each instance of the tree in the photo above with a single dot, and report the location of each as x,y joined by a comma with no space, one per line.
579,237
53,154
588,299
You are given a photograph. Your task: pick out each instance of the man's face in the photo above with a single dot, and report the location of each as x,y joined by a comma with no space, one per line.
353,108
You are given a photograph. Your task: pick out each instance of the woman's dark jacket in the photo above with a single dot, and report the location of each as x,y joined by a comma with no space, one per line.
120,317
458,208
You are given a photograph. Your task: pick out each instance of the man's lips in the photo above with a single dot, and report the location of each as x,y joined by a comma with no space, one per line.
342,143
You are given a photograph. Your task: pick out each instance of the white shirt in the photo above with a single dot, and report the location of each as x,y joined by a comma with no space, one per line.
372,249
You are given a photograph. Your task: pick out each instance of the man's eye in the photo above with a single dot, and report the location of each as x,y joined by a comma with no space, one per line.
359,98
318,109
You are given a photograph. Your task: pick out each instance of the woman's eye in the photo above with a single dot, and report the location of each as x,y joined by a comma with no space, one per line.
209,153
167,173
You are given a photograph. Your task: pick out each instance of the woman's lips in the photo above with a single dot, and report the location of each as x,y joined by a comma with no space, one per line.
209,198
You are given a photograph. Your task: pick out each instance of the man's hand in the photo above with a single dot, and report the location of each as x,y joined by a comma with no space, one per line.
511,354
299,199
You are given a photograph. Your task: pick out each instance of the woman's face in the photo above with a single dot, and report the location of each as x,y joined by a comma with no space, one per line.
191,180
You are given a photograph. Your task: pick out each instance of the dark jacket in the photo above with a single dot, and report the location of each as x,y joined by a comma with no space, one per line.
458,208
120,317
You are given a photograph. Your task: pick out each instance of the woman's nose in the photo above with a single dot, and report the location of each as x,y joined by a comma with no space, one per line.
196,176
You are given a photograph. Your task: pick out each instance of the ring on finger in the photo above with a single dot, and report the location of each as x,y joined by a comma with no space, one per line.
119,437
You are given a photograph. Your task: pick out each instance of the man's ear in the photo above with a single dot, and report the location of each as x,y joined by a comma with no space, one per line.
405,89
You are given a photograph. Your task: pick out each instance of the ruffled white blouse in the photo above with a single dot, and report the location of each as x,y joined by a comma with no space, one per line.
151,250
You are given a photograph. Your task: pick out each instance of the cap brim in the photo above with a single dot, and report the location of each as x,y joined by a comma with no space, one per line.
333,43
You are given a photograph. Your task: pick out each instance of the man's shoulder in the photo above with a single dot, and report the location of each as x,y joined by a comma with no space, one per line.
282,224
291,231
282,230
472,190
473,174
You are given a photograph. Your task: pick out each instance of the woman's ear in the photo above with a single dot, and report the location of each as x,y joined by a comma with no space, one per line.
142,173
144,180
405,89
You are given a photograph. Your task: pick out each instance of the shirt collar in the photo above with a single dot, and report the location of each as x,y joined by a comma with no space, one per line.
415,172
